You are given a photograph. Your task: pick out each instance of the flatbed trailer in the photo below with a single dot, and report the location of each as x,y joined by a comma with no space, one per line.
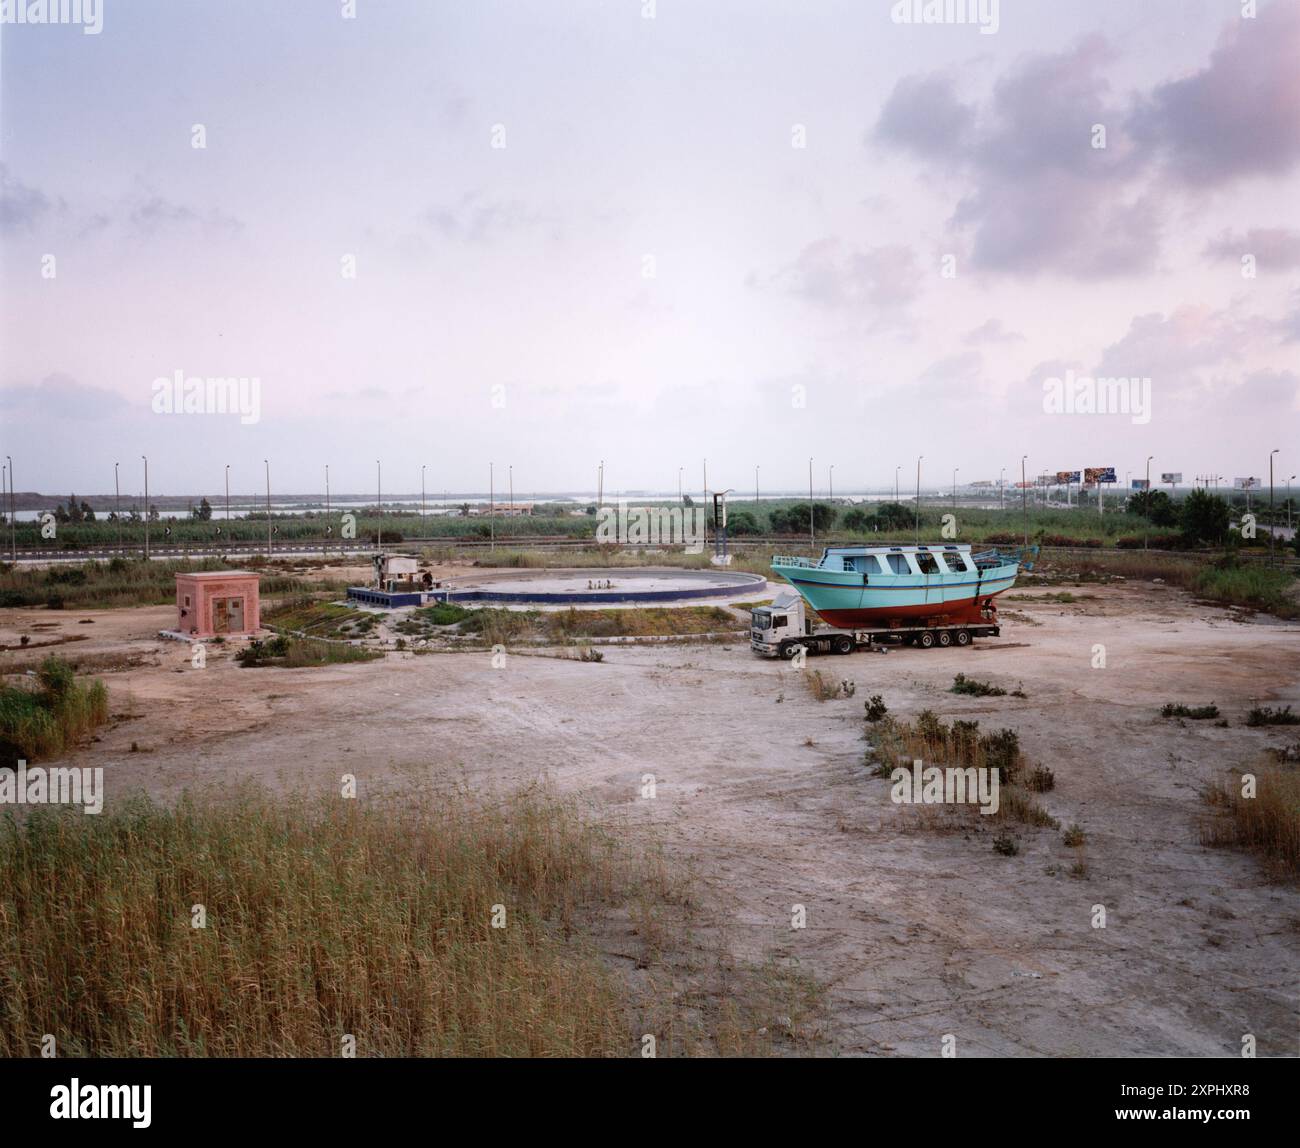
783,629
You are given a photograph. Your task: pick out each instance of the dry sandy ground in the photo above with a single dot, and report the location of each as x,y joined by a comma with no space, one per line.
762,791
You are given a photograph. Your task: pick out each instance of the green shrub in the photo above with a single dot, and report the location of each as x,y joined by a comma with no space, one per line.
961,684
1267,715
1196,713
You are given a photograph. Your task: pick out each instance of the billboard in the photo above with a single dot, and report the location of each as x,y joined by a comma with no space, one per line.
1099,474
1140,484
1172,476
1246,483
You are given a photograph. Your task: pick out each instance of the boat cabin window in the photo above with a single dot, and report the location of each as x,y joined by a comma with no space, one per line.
898,564
957,562
925,562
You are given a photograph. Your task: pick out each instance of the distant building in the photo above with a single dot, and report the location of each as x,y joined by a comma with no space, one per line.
499,511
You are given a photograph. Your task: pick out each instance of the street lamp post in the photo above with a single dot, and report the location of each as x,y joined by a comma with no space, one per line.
117,505
379,506
227,498
13,512
492,502
896,470
146,503
918,498
1272,522
681,499
1024,496
422,469
756,490
1146,532
812,513
511,475
268,508
1002,489
955,469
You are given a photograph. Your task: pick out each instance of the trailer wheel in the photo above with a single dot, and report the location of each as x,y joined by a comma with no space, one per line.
945,637
925,641
842,644
963,637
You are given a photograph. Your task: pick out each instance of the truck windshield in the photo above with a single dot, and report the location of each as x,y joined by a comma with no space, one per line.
762,621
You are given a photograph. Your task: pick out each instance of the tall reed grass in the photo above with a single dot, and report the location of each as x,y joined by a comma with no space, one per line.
324,918
52,714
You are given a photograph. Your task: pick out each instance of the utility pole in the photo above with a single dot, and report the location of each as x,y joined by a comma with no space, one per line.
955,469
512,488
117,504
896,470
756,490
492,502
830,484
918,498
146,502
1146,532
227,498
1002,489
681,501
1024,496
379,505
422,467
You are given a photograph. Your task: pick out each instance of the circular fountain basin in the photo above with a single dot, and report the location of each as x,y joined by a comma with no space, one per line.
592,586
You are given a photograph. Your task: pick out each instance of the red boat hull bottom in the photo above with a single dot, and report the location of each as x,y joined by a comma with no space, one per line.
966,613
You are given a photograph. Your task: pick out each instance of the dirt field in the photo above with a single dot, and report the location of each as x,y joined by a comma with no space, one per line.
762,792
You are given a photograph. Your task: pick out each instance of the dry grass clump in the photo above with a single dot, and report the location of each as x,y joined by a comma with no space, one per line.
961,744
1268,824
825,688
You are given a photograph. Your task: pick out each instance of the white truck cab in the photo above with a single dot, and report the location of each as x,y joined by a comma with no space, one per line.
776,629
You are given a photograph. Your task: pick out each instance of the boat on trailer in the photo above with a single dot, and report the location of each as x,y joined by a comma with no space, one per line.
855,587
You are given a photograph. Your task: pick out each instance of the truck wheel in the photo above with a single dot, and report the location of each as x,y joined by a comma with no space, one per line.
925,641
945,637
843,644
787,650
963,637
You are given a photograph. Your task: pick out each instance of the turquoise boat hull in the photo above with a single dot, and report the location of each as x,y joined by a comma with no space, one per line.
854,599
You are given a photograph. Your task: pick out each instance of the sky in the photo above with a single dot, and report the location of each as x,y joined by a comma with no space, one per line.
653,232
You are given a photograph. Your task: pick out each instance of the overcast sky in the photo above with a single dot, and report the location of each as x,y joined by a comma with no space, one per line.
651,270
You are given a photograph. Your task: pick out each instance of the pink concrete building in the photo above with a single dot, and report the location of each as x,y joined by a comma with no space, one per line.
217,602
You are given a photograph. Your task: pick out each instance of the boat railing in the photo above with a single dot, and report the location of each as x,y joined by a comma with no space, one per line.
784,560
